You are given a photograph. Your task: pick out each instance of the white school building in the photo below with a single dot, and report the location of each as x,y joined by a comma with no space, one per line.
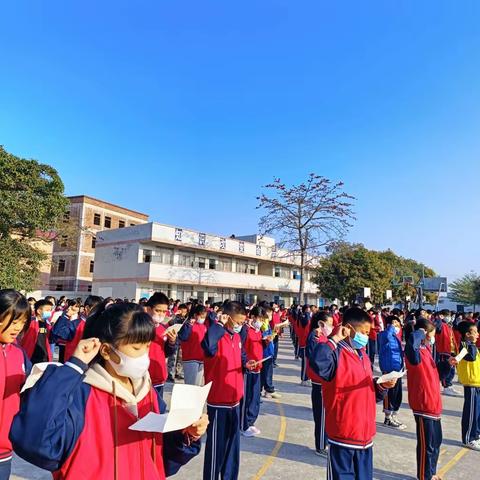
134,262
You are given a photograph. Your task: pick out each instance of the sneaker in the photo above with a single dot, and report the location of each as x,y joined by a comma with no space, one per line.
450,391
303,383
255,430
275,395
473,445
266,395
391,422
248,432
275,365
402,425
322,453
170,379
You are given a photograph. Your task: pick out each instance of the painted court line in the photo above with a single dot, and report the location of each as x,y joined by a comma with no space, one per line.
278,445
449,465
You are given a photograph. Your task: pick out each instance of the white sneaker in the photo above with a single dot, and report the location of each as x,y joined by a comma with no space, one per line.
473,445
249,432
275,395
451,392
255,430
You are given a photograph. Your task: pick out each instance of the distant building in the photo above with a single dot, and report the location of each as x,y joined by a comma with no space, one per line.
73,259
183,263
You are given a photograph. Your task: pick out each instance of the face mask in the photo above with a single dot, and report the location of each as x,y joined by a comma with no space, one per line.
257,325
327,330
432,340
359,341
130,367
46,316
201,321
158,319
237,328
397,330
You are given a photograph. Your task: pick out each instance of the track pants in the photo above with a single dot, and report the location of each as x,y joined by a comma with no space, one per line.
429,439
372,350
267,376
303,356
5,469
471,415
193,372
222,451
349,463
250,403
393,398
319,417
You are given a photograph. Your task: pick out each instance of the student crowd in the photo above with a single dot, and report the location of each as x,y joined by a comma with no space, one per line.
116,355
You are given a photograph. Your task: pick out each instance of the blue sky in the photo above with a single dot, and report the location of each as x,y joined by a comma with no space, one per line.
184,109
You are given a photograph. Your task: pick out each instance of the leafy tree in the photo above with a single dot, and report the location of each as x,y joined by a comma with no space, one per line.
466,290
31,203
305,218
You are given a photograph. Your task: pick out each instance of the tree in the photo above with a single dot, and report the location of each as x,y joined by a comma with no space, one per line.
350,267
31,203
466,290
305,218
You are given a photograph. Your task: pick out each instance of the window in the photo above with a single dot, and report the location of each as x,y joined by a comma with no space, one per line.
94,242
242,267
212,264
92,263
66,216
61,265
132,224
252,269
185,259
97,219
276,272
147,256
59,287
225,265
64,241
108,222
162,256
295,275
121,224
89,288
202,262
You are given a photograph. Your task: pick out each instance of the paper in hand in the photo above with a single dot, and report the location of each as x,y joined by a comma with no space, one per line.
174,328
263,360
37,371
461,355
388,377
186,407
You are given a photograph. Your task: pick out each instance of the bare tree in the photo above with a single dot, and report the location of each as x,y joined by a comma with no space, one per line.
306,218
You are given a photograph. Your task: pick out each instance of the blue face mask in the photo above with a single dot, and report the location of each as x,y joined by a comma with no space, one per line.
46,316
237,328
360,340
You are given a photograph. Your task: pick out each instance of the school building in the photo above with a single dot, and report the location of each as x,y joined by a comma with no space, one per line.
134,262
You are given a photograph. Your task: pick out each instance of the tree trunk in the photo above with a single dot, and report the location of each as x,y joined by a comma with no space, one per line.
301,293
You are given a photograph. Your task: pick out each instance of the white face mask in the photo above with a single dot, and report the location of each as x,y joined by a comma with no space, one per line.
397,330
327,330
201,321
131,367
432,340
257,325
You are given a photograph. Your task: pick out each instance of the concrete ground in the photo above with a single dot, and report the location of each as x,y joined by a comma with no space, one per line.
284,448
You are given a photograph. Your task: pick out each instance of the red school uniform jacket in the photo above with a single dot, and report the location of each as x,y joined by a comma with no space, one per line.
424,395
303,330
223,366
71,345
14,367
311,342
158,363
445,341
253,346
191,337
30,338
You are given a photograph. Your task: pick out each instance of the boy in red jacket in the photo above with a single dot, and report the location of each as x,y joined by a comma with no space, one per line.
349,395
223,367
424,397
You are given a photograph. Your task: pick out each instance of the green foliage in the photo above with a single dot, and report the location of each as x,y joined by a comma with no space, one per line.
31,202
466,290
350,267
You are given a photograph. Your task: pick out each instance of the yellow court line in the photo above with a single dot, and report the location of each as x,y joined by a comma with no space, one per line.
278,445
443,452
449,465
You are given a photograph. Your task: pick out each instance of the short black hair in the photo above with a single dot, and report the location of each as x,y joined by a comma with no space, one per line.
355,316
40,304
258,312
427,325
233,308
464,328
158,298
13,306
391,318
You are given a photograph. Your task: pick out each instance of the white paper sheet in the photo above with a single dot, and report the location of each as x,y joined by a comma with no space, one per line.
462,354
263,360
186,407
388,377
174,328
36,373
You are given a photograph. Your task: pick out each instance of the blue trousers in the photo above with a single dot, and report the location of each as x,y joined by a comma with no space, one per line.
5,469
372,350
429,439
393,399
319,417
159,390
471,415
275,349
222,451
349,463
303,356
267,376
250,403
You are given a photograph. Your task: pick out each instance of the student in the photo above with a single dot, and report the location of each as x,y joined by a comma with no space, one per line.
164,344
424,397
445,347
469,376
191,335
303,329
349,394
321,327
75,420
276,319
390,356
174,361
35,340
266,373
70,329
14,367
223,367
253,348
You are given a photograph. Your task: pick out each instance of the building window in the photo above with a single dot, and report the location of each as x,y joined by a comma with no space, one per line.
225,265
202,262
97,219
66,216
178,234
185,259
212,264
107,222
94,242
61,265
201,239
132,224
147,256
242,267
252,270
223,243
89,288
92,263
59,287
121,224
295,275
276,272
64,241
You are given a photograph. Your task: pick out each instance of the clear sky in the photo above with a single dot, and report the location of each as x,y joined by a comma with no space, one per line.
184,109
